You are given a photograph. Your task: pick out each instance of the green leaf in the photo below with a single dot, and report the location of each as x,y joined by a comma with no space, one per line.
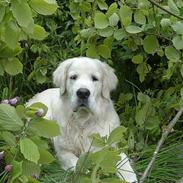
22,12
6,52
102,4
137,59
97,140
17,170
30,168
44,7
125,13
133,29
150,44
9,120
39,32
2,12
142,70
116,135
173,7
92,51
112,180
45,156
29,149
178,42
169,71
113,19
139,17
181,70
100,20
46,128
178,27
119,34
107,32
172,54
12,29
112,9
165,22
13,66
181,93
153,123
9,138
104,51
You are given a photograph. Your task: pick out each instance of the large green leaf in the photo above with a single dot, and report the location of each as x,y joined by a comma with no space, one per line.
125,13
46,128
9,120
13,66
102,4
29,149
113,19
107,32
39,32
142,70
178,27
173,7
104,51
12,29
137,59
30,168
2,12
100,20
116,135
97,140
44,7
150,44
6,52
119,34
178,42
139,17
45,156
17,170
9,138
22,12
172,54
133,29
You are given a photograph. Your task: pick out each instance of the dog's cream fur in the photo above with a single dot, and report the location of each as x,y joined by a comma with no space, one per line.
78,122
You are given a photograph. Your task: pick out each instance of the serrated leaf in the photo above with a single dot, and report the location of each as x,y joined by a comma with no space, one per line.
9,138
44,7
104,51
125,13
137,59
29,149
150,44
133,29
172,54
102,4
17,170
12,29
22,12
100,20
9,119
112,9
97,140
173,7
178,42
45,156
107,32
13,66
30,168
178,27
119,34
165,22
116,135
39,32
113,19
46,128
139,17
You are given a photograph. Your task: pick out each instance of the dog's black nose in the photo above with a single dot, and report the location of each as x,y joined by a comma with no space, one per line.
83,93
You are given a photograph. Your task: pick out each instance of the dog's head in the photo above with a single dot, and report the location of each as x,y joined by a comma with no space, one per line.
85,81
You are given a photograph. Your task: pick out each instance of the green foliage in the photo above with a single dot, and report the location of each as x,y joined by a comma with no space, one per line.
23,147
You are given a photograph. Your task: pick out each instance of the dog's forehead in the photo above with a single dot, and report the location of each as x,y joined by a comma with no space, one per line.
85,66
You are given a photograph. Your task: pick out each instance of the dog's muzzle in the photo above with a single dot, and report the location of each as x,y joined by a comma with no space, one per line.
83,95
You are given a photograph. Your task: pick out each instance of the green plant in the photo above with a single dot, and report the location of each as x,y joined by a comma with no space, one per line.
24,148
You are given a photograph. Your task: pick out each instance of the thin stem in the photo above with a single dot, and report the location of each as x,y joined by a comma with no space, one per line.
167,11
160,143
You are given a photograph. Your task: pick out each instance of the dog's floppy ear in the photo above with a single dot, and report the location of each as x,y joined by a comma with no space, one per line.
109,82
60,75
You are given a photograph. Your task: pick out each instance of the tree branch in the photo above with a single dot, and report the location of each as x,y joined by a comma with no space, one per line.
160,143
167,11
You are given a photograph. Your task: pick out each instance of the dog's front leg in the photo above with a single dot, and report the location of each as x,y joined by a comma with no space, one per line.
67,159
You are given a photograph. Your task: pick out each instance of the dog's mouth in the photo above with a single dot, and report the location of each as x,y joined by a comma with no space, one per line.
81,104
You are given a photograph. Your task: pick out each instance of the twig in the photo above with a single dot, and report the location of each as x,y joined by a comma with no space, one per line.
167,11
160,143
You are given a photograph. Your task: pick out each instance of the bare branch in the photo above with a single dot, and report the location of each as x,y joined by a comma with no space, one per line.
160,143
167,11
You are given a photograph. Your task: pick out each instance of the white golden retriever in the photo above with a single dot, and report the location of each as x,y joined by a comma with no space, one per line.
82,106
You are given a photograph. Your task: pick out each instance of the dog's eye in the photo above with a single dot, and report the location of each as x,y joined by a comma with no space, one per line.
94,78
74,77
